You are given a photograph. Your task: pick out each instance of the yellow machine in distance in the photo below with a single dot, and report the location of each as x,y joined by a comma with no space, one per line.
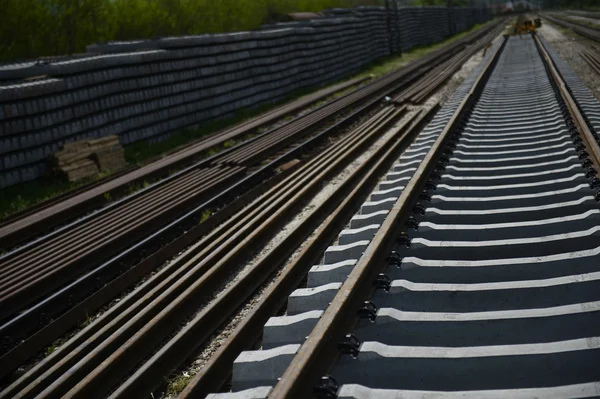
522,25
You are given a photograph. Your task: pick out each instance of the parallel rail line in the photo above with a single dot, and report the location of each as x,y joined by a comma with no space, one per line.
592,57
147,316
590,33
43,321
43,218
482,281
46,215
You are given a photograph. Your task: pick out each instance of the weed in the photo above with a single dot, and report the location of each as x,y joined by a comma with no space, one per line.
205,215
51,349
107,197
229,143
87,320
178,384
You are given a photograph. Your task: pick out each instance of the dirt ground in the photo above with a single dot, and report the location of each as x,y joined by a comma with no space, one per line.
569,46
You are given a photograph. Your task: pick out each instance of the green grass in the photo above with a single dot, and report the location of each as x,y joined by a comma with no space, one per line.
20,196
178,384
49,350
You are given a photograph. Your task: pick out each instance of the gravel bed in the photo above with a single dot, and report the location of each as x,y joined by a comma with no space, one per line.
569,46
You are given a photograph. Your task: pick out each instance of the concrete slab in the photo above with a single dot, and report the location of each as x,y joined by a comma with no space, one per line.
307,299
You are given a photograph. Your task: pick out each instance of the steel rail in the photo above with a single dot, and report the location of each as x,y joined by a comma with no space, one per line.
319,351
592,57
30,317
264,211
582,30
94,278
260,153
217,370
419,93
177,350
47,310
48,214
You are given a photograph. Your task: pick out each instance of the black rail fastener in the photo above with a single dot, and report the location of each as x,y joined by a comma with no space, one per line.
394,259
425,196
368,311
350,345
435,175
382,282
403,239
594,183
430,185
412,223
419,208
590,172
327,388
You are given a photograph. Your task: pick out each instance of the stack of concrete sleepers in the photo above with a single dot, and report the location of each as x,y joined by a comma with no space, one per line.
143,95
145,90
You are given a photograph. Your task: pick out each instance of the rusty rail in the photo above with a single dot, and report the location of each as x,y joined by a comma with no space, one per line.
320,350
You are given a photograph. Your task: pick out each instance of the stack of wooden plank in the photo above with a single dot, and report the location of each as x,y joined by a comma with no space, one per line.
86,158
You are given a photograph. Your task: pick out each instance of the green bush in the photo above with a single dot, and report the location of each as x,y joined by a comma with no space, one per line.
35,28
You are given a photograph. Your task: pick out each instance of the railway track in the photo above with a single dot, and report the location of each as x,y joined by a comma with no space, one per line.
592,57
481,281
587,14
56,281
104,353
590,33
107,351
49,215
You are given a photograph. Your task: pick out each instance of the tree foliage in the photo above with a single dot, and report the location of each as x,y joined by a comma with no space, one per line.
573,4
35,28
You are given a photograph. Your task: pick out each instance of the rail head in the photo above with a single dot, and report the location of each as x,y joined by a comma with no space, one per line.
320,350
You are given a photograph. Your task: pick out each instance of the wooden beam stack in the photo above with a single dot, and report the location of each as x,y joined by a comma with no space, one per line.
85,159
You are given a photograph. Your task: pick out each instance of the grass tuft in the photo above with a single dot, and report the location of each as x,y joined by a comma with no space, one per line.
49,350
177,385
